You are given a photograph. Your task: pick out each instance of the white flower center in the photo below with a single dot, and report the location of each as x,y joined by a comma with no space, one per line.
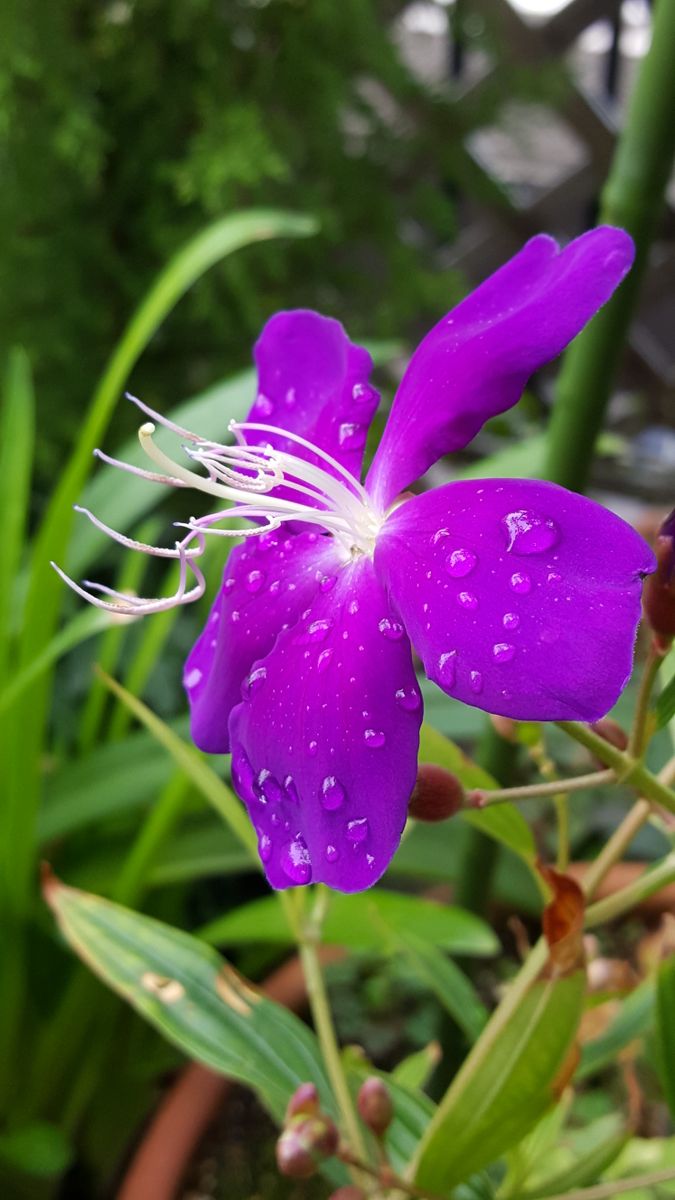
265,485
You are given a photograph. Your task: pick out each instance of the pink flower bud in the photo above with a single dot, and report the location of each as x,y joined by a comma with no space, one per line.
305,1100
437,794
610,731
303,1143
374,1105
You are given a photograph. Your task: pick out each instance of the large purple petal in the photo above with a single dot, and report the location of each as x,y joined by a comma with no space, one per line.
268,581
477,360
521,598
325,746
314,382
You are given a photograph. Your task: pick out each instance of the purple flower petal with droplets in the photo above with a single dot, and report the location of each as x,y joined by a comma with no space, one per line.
313,381
476,361
267,583
325,746
521,598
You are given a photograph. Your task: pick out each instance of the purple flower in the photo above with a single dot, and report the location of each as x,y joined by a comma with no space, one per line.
520,597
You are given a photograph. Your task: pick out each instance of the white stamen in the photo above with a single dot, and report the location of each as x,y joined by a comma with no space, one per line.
245,476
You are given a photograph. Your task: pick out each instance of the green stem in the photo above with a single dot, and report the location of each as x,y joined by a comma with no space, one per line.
530,791
627,768
639,731
614,850
621,902
563,822
633,197
308,936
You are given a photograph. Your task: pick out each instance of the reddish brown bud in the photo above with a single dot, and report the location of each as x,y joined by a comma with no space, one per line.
348,1193
437,794
305,1100
303,1143
506,727
658,597
610,731
374,1105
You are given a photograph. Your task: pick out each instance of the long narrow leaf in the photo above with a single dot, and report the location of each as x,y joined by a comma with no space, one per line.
17,420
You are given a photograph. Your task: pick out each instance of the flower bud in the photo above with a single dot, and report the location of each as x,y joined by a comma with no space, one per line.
437,794
303,1143
374,1105
304,1101
610,731
659,591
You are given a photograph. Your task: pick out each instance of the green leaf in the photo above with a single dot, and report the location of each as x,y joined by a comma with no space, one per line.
446,980
193,997
503,822
633,1020
16,460
86,624
37,1149
585,1170
665,705
505,1083
518,460
665,1030
414,1070
366,921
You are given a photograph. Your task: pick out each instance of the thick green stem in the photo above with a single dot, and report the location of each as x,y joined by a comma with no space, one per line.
628,769
633,197
621,902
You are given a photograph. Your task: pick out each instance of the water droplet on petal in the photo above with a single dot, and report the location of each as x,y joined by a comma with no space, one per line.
317,631
235,616
374,738
439,535
267,541
352,436
326,582
521,583
460,563
228,585
331,854
363,393
267,788
265,847
254,681
393,630
291,790
511,620
447,668
275,587
264,405
290,397
553,577
357,831
408,699
467,600
476,682
529,533
323,661
353,607
503,652
332,793
295,861
312,748
192,678
254,581
243,775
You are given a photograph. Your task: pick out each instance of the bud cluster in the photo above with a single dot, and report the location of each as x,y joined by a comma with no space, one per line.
659,588
308,1136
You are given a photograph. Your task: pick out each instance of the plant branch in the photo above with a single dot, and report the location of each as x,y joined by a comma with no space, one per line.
615,906
639,731
628,769
556,787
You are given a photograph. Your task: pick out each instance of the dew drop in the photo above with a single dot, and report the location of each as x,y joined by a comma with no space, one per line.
476,682
290,397
447,668
323,661
264,405
295,861
266,787
521,583
229,584
357,831
254,581
352,436
235,616
267,541
408,699
439,535
312,748
326,582
254,681
467,600
353,607
275,587
393,630
511,621
554,577
291,790
192,678
332,793
374,738
265,847
460,563
529,533
317,631
243,775
331,854
503,652
363,393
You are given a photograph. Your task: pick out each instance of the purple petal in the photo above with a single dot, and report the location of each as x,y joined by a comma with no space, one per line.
325,746
313,381
521,598
268,581
476,361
